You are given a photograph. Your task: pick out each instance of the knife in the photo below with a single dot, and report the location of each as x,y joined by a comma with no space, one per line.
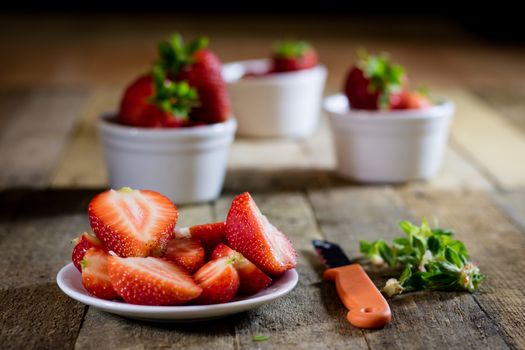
367,306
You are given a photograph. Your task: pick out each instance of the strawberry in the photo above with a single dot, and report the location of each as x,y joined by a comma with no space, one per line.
82,244
293,56
151,281
209,234
410,100
152,100
201,68
186,252
95,277
219,281
373,82
251,234
252,278
133,222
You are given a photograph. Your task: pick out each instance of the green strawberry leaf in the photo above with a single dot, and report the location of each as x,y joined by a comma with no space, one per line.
291,49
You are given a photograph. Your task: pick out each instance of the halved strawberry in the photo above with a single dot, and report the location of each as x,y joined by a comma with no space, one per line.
294,55
252,278
251,234
82,244
95,277
151,281
219,281
209,234
186,252
133,222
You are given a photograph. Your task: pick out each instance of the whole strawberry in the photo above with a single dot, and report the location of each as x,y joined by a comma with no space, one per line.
153,100
292,56
373,82
200,67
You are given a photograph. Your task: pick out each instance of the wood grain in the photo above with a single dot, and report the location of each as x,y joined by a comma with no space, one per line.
311,313
35,233
430,320
494,242
33,134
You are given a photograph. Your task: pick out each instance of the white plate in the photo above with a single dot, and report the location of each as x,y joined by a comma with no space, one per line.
70,281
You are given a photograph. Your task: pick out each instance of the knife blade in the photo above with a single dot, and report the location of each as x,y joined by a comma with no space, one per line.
367,306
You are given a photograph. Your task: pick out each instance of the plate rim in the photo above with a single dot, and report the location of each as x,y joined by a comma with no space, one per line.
111,306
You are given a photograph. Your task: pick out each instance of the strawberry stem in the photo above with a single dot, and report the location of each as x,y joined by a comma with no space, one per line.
174,55
291,49
176,98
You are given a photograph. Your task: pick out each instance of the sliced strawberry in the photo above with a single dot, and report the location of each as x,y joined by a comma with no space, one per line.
82,244
151,281
186,252
95,277
133,222
219,281
209,234
410,100
251,234
253,280
293,56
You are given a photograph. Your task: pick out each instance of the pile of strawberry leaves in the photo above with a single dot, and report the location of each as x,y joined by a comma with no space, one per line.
430,258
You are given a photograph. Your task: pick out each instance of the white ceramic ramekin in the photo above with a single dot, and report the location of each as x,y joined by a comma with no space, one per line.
275,105
388,146
188,165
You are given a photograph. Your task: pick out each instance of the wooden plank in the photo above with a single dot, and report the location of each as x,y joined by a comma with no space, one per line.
513,203
35,233
488,139
311,316
104,330
34,133
82,164
494,242
420,320
508,100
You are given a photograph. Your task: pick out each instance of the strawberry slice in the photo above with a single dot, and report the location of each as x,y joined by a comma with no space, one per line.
251,234
252,278
186,252
219,281
133,222
209,234
151,281
293,56
95,277
82,244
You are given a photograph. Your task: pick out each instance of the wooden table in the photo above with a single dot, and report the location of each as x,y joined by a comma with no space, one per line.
59,74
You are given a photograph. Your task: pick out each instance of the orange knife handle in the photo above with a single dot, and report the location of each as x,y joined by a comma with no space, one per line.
368,308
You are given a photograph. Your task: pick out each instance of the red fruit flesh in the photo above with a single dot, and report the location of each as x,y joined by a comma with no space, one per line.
95,277
290,64
186,252
253,280
219,281
151,281
209,234
251,234
358,93
82,244
133,222
205,75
